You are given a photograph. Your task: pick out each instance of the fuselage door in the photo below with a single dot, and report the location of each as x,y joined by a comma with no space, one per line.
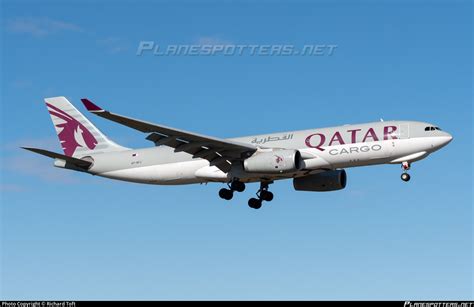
404,131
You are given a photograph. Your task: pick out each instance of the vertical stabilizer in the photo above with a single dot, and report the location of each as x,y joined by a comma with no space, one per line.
78,136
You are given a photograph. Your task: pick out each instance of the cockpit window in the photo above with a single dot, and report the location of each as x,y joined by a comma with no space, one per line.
437,128
432,128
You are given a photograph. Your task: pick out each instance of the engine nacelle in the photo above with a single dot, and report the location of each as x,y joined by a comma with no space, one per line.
274,162
322,182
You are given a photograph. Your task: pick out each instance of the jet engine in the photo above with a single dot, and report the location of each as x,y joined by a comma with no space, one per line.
321,182
274,162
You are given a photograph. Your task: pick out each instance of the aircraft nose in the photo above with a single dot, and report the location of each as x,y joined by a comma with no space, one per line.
446,139
450,138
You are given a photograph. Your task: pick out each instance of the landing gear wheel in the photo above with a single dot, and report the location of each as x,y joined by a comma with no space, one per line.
266,195
237,186
226,194
255,203
405,177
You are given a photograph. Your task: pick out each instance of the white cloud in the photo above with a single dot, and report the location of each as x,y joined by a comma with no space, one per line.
20,161
21,84
212,40
11,187
113,44
49,143
31,164
40,27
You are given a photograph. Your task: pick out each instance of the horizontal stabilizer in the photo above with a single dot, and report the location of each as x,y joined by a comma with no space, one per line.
77,162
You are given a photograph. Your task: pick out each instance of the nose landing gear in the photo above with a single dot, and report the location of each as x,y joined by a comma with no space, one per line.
405,176
263,195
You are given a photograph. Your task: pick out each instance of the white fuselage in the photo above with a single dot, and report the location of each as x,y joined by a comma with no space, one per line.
321,149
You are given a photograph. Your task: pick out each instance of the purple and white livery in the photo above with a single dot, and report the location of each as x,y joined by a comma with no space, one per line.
315,159
77,135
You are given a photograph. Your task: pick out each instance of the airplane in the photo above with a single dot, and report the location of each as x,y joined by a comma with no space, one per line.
315,159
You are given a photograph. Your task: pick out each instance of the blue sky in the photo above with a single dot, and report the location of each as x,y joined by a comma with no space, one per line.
67,235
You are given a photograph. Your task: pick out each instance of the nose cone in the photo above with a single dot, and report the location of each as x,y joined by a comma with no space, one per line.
442,140
449,138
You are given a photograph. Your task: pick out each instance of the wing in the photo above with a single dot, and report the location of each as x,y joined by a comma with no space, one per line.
218,152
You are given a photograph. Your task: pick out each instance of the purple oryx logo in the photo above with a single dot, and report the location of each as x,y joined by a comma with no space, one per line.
278,159
72,133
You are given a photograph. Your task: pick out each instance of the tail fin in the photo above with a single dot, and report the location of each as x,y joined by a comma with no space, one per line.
78,136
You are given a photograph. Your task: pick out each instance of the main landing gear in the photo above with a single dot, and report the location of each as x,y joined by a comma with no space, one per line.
263,195
256,203
235,185
405,176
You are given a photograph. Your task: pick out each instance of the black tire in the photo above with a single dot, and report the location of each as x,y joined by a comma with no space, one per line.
266,195
237,186
255,203
405,177
226,194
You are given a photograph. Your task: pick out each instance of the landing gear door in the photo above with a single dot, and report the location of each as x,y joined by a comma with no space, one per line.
404,131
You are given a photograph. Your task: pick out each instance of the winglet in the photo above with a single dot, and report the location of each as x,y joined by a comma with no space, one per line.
90,106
